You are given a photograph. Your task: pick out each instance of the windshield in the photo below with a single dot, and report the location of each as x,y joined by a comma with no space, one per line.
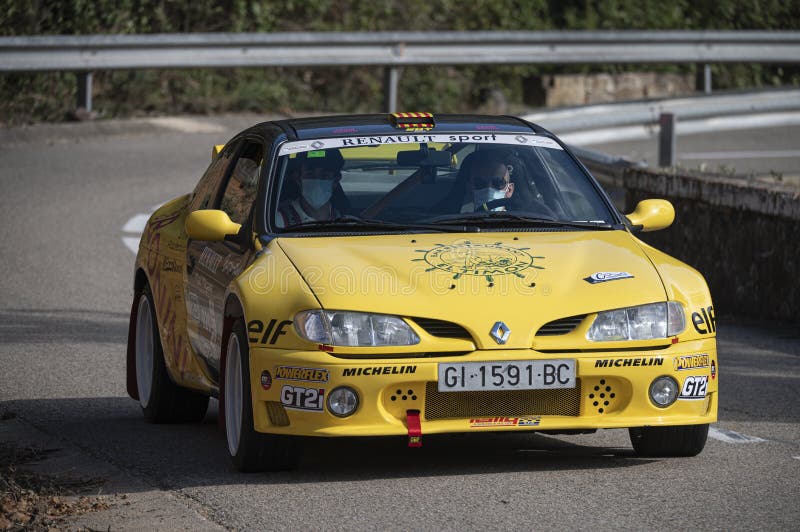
423,179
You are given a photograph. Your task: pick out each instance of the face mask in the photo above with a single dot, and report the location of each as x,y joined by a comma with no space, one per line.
485,195
317,192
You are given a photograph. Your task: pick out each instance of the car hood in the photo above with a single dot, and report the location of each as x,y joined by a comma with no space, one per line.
524,279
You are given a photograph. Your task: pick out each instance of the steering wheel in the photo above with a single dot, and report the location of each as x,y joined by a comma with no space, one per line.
401,188
534,206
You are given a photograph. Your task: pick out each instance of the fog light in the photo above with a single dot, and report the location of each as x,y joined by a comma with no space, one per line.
342,401
663,391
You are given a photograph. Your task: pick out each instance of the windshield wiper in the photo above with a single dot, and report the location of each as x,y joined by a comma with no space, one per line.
349,221
504,217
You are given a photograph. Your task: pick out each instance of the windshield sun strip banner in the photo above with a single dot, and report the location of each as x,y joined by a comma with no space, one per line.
518,139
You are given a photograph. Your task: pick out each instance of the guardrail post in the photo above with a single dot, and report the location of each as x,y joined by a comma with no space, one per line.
390,81
707,78
84,91
666,140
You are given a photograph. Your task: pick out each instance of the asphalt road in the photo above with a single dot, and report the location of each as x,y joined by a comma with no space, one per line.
66,194
768,151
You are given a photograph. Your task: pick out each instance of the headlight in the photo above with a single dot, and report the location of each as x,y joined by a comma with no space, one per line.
646,322
353,329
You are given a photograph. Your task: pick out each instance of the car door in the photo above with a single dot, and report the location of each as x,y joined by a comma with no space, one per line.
211,266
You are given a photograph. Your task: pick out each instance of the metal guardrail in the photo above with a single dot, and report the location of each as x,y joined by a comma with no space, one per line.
392,50
618,114
662,113
96,52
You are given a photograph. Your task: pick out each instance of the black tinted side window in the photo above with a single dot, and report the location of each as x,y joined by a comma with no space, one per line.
240,192
207,188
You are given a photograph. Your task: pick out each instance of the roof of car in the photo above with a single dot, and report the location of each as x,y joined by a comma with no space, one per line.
384,124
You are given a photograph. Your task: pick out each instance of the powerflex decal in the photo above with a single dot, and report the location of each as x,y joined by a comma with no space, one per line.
293,373
691,362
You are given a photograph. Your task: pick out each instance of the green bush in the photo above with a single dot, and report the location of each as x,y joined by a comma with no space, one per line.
50,97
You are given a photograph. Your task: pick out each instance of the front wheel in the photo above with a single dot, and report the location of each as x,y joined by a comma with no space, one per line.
681,440
249,450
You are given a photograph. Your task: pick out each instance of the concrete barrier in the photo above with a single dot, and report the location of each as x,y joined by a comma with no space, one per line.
743,236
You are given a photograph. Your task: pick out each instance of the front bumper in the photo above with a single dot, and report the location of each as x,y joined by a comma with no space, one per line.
290,389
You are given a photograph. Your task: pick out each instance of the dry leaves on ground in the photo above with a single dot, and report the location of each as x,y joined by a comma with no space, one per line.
30,501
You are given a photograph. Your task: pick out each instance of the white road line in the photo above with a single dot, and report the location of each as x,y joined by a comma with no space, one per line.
132,243
136,224
135,227
741,154
729,436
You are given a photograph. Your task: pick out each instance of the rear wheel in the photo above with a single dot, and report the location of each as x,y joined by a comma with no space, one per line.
249,450
162,401
682,440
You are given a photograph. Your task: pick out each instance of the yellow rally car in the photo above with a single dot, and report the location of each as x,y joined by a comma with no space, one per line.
412,274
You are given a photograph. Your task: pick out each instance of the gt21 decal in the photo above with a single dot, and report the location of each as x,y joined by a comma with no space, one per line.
694,387
704,321
299,398
256,327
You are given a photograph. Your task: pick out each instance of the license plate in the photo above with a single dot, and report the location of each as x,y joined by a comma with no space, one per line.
512,375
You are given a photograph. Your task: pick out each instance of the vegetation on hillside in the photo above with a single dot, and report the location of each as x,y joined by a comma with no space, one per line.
33,97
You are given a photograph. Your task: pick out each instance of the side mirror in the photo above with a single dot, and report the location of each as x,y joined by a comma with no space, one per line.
652,215
210,225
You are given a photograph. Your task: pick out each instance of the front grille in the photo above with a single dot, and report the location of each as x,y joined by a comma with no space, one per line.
442,329
562,326
454,405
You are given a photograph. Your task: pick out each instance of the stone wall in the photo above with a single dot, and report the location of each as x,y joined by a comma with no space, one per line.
743,237
583,89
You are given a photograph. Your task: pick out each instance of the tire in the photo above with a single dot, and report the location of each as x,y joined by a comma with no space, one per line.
250,450
162,401
682,440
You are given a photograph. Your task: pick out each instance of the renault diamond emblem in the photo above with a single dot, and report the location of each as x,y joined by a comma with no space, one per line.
500,332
